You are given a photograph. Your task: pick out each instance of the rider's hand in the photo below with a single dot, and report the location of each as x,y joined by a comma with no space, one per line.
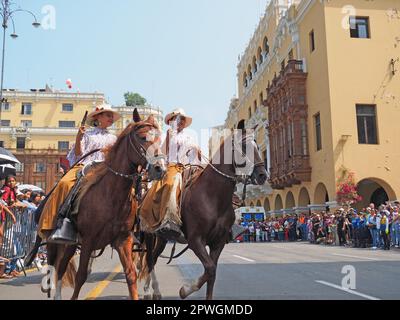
81,132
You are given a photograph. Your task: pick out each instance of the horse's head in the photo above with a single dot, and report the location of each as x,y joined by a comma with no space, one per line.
145,138
247,159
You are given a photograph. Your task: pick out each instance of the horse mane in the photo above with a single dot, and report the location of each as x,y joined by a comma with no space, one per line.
96,174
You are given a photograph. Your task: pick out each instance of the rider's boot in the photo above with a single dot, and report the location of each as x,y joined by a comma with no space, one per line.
66,234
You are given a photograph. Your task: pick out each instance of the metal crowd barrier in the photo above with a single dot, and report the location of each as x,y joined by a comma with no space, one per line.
19,237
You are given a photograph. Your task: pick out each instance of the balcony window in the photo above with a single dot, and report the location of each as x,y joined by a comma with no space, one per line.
26,123
67,107
40,167
366,124
5,123
359,27
304,137
66,124
5,107
19,167
63,145
26,109
21,142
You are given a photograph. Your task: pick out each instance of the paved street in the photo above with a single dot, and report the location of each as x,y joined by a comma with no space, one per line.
270,271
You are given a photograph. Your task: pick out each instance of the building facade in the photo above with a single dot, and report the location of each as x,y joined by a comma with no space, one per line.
144,111
39,126
323,77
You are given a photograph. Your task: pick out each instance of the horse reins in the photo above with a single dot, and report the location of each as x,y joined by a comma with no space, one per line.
141,152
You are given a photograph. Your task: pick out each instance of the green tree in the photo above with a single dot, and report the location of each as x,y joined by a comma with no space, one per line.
134,99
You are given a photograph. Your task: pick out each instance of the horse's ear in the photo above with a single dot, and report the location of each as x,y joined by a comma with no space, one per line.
136,116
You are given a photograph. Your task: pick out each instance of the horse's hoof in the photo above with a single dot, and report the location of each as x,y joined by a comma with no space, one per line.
147,297
182,293
157,297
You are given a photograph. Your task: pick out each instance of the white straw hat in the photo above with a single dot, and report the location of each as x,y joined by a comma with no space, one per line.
101,109
178,112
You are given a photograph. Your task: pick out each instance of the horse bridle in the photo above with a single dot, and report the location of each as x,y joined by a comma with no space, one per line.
241,177
142,152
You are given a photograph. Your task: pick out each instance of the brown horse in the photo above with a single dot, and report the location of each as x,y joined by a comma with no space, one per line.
207,211
106,213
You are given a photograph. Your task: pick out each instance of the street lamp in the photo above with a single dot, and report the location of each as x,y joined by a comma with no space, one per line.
7,13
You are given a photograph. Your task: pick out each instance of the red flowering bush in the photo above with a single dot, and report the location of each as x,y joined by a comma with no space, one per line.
347,193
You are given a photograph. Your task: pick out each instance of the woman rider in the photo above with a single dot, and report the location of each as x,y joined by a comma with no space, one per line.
97,137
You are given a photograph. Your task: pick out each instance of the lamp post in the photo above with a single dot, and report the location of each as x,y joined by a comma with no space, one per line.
7,12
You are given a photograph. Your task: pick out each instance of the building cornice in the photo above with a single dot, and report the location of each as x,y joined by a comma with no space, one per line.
53,95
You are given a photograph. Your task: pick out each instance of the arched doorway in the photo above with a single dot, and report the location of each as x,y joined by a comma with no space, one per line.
321,194
258,203
290,203
241,125
278,203
376,191
304,198
252,204
267,206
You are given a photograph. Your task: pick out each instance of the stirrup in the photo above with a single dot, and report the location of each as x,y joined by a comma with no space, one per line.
65,235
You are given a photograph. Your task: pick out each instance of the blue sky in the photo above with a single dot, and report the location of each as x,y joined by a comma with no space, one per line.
176,53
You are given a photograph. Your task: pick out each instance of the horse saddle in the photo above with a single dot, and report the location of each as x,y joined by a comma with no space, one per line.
70,207
190,175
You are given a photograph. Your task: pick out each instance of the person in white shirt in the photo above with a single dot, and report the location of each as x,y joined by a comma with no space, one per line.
159,211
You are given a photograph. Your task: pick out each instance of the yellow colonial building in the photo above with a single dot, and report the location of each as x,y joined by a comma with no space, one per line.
39,126
322,81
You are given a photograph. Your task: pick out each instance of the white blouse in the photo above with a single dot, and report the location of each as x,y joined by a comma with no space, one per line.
94,138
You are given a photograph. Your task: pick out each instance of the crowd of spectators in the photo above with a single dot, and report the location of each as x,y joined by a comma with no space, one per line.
14,202
375,228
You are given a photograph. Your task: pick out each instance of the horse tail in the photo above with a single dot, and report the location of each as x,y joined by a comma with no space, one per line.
70,274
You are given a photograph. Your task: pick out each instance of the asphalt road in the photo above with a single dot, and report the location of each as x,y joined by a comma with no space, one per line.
257,271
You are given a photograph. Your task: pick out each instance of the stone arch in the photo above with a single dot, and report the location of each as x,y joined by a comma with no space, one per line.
375,190
260,55
321,194
266,46
249,72
304,198
278,202
255,66
290,202
252,204
258,203
267,205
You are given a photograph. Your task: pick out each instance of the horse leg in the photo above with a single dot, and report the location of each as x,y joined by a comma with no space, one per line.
215,252
209,270
47,284
155,285
82,273
62,267
125,255
146,288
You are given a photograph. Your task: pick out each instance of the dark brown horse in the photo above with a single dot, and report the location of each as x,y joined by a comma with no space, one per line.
106,213
207,211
